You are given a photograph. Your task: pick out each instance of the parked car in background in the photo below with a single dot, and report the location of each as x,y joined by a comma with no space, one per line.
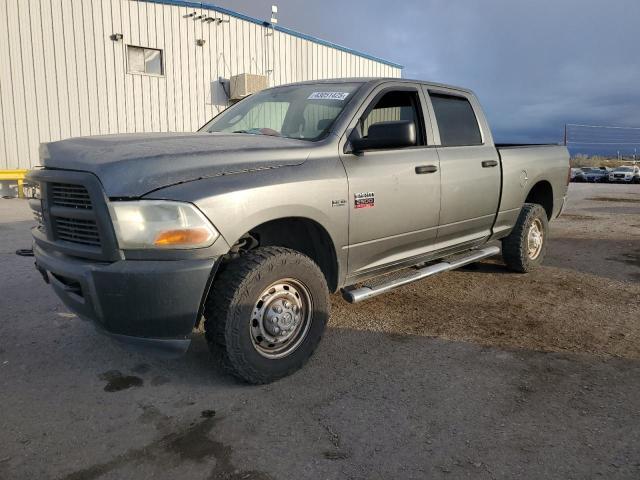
579,176
574,172
625,174
596,175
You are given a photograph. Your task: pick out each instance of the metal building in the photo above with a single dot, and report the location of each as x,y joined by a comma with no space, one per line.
87,67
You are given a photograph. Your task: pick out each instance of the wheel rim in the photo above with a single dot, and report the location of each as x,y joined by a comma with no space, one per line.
281,318
535,238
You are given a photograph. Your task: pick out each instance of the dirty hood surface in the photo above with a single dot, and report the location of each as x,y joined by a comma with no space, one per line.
132,165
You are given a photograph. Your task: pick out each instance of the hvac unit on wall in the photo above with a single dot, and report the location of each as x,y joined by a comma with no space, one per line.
245,84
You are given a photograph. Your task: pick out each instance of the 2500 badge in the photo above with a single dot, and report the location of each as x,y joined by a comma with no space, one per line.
364,200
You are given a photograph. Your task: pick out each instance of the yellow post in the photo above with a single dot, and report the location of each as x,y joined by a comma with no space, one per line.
18,176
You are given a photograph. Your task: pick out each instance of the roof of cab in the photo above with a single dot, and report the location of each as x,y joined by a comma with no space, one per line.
377,81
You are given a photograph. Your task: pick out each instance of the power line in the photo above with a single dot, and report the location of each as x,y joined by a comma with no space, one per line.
576,135
601,143
600,126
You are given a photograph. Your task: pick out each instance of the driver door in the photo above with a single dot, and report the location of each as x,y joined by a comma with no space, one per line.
394,193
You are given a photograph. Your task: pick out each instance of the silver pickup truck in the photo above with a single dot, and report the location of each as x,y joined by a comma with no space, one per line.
354,185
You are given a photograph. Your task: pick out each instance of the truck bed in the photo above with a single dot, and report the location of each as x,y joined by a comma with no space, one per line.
524,166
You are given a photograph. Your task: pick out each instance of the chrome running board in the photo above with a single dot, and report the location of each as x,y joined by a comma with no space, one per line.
356,295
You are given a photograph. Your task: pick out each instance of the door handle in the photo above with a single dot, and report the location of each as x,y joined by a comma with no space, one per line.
489,163
426,169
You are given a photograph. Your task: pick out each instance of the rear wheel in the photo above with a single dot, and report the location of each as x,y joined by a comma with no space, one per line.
266,313
525,247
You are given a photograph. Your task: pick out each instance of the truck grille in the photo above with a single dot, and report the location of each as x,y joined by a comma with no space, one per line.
75,230
68,195
73,215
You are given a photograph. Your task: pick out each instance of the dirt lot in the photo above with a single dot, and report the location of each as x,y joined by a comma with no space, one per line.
476,374
585,299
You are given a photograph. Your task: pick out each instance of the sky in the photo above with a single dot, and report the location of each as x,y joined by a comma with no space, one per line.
534,64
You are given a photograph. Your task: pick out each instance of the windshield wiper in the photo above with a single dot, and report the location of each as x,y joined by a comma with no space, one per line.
259,131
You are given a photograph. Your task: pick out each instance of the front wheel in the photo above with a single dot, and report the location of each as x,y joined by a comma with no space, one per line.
525,247
266,313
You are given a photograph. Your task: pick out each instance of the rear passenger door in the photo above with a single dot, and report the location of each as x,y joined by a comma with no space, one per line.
469,166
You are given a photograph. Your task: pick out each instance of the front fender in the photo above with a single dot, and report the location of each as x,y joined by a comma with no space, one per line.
238,203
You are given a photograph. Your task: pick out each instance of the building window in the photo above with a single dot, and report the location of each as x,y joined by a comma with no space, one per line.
144,60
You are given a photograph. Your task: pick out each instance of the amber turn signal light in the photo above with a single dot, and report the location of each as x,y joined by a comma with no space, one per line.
186,236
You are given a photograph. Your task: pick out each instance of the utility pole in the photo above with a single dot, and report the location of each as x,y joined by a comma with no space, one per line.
274,21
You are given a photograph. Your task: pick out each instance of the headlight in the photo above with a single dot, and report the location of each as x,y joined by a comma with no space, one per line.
160,224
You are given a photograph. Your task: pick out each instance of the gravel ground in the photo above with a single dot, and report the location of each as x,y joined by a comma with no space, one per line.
586,298
474,374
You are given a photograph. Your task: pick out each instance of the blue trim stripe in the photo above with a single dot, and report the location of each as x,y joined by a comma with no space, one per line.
241,16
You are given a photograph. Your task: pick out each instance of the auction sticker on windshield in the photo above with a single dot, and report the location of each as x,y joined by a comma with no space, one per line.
328,96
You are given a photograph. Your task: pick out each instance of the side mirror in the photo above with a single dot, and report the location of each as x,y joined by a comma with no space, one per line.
381,135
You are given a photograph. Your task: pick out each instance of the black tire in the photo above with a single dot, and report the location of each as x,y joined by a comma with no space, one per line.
515,247
230,328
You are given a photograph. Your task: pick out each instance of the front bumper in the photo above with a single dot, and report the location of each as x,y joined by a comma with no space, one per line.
153,304
621,180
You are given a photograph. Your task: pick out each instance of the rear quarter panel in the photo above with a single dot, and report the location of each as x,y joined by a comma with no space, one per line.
522,168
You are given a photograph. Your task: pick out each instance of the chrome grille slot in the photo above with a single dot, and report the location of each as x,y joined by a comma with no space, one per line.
69,195
37,216
36,210
84,232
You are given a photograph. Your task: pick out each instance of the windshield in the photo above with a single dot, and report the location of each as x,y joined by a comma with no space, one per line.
624,169
304,112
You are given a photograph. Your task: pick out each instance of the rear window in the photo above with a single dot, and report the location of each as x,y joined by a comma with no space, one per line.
456,120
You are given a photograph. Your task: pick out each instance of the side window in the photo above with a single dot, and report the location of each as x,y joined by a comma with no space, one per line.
144,60
394,106
456,120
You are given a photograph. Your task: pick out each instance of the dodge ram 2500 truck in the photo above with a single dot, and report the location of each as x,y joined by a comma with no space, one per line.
294,192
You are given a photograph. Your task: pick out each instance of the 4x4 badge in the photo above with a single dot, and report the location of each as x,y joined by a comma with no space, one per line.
338,203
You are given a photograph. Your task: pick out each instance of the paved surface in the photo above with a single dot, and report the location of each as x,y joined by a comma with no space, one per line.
374,402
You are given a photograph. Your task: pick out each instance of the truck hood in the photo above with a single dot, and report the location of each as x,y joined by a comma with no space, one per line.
132,165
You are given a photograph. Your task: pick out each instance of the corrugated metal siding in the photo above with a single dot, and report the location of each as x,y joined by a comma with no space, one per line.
61,76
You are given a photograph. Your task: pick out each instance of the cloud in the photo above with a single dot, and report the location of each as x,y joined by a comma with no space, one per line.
534,65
